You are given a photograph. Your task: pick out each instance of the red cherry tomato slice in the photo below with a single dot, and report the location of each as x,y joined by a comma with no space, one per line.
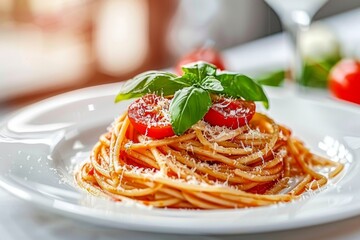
230,113
209,55
344,80
150,116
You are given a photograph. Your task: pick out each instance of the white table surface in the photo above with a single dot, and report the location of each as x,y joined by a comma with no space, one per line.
20,220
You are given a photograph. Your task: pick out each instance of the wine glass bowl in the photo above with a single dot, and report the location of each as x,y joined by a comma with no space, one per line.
295,17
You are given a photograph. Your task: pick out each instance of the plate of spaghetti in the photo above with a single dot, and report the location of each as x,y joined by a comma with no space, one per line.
207,152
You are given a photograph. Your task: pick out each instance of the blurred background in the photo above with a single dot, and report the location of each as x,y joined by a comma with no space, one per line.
49,47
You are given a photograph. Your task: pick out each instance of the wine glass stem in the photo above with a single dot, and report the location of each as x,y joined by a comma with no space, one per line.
298,23
296,63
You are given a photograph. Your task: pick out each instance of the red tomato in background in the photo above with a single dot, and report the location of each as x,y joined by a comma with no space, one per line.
150,116
344,80
232,113
209,55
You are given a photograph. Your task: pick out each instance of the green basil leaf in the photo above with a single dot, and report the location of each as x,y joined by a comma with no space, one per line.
161,83
197,71
237,85
274,79
212,84
184,80
315,72
188,106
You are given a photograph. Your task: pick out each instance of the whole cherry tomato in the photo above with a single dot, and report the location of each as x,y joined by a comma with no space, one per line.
150,116
232,113
344,80
209,55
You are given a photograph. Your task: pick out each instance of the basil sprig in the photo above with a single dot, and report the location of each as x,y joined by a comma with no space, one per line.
188,106
192,91
158,82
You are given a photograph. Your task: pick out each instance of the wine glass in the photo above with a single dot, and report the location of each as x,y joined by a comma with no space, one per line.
295,16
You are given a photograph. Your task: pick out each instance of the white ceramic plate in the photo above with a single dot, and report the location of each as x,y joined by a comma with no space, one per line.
40,144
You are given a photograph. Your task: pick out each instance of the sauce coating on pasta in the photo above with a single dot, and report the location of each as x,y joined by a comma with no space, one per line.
208,167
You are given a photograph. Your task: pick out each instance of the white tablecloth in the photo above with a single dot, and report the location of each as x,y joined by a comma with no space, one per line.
20,220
